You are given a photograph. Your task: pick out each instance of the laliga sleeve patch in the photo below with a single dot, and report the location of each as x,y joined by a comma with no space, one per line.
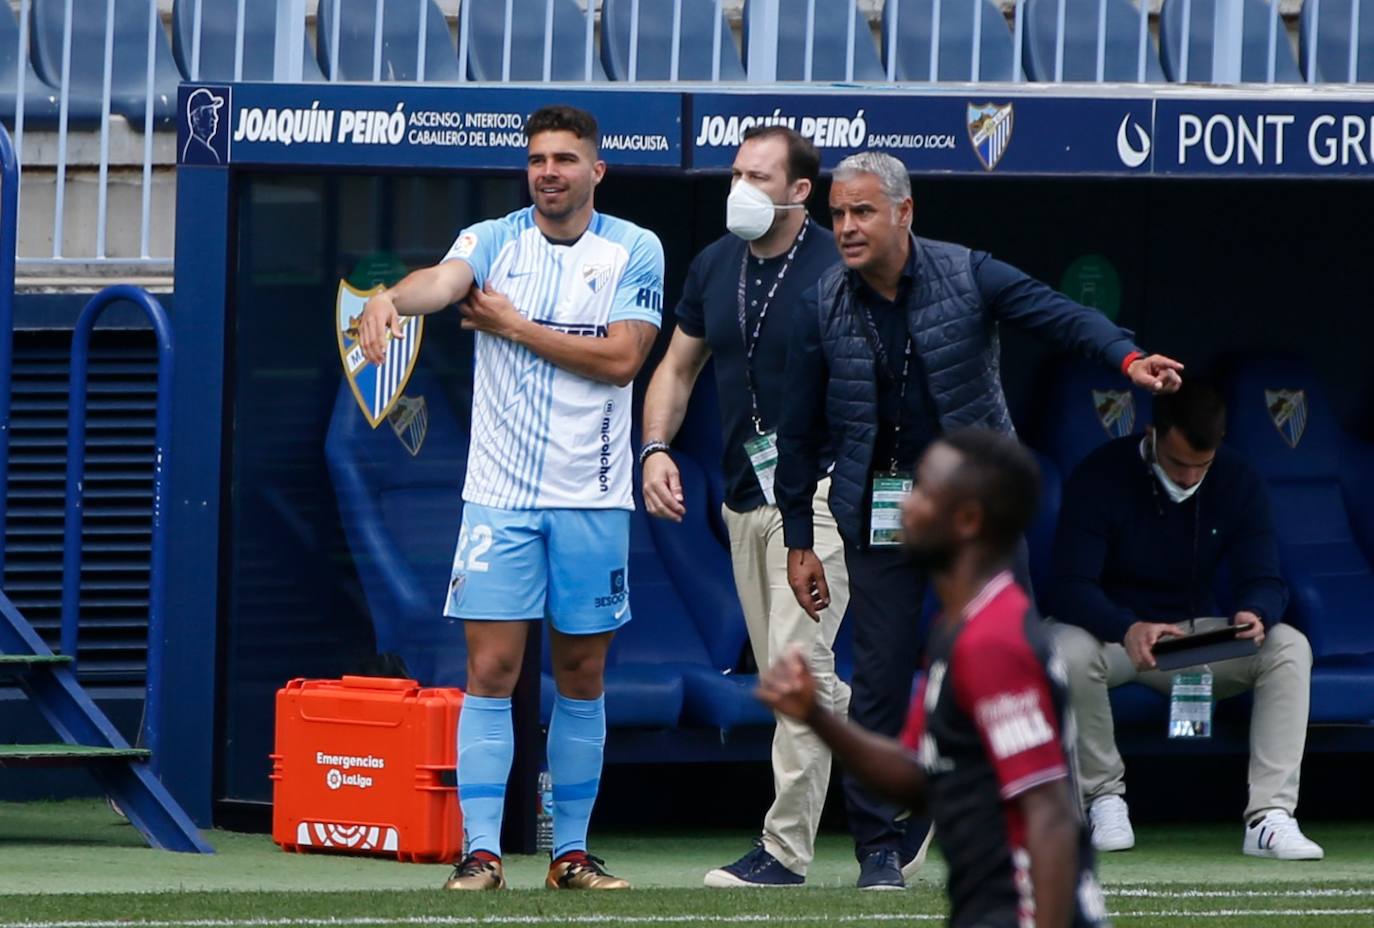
465,246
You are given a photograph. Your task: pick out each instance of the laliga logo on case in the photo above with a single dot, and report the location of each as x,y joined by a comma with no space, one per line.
333,779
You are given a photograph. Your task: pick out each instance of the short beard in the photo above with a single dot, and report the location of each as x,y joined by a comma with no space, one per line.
932,558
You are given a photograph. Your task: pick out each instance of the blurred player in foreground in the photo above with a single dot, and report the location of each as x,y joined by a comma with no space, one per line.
988,743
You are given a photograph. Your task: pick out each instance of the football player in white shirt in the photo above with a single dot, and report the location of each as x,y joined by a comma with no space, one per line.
566,303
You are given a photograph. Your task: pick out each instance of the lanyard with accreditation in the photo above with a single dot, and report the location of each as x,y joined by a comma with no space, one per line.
890,488
762,449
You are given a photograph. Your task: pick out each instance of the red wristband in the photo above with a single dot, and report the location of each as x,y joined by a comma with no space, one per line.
1130,359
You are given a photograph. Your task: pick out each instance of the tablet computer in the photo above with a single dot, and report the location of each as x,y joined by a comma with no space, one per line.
1209,647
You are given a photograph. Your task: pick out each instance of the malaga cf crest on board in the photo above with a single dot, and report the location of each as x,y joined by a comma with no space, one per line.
1116,411
989,128
1288,412
377,388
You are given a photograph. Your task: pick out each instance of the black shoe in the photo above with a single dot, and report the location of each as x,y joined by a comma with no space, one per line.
881,870
757,868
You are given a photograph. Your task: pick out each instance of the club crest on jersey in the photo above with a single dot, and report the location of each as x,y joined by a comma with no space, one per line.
1115,411
410,421
989,129
1288,412
377,388
596,276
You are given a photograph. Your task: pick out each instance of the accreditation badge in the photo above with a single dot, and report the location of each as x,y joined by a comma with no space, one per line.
885,512
763,457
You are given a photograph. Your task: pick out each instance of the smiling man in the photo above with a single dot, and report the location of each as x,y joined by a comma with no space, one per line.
566,303
893,349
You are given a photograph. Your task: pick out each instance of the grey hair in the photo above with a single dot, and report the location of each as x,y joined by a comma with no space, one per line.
891,173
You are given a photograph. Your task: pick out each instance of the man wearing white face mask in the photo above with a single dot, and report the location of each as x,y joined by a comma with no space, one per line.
1145,525
737,307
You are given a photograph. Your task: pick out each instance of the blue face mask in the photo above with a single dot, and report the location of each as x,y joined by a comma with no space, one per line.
1175,492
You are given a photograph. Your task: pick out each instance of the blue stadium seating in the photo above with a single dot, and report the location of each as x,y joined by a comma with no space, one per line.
1040,535
1332,61
915,22
1086,405
1280,419
401,515
829,42
40,100
218,32
1254,51
699,437
400,41
129,76
653,61
486,23
1121,56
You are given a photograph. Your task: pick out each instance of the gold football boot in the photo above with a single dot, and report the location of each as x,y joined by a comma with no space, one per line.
580,870
477,872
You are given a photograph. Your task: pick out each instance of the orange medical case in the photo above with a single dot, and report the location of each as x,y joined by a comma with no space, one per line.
367,765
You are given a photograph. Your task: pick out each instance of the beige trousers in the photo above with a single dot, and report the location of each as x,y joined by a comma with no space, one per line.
801,763
1280,673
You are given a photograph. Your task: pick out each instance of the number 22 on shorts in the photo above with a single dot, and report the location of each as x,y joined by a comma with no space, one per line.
481,541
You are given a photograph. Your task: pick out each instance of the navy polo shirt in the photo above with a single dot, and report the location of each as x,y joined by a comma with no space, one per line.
709,309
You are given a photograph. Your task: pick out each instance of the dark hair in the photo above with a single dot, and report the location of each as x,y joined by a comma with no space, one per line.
803,160
1197,410
999,473
562,118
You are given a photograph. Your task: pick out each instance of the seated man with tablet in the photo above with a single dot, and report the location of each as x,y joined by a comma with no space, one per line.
1146,524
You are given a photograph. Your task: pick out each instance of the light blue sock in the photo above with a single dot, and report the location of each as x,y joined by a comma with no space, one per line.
577,744
486,742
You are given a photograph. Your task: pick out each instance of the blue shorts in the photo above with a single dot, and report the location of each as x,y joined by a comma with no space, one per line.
570,565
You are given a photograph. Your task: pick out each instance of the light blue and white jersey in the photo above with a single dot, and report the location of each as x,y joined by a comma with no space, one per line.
544,437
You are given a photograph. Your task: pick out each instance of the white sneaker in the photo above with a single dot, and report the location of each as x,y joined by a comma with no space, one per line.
1276,835
1110,823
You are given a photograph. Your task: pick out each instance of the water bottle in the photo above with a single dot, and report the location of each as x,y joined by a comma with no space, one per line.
543,830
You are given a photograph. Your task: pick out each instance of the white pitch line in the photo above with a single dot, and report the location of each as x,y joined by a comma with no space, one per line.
1144,892
451,920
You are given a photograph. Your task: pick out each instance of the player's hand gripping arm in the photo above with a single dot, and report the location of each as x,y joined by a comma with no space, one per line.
1052,842
615,359
665,403
425,291
883,764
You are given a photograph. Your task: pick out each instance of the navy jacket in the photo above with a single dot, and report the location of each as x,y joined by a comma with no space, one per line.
1125,553
832,374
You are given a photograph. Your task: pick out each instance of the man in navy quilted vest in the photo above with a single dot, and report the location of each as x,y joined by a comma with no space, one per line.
1146,524
889,351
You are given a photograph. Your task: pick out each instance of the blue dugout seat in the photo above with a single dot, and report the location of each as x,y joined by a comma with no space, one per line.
40,100
1254,46
486,38
829,42
129,69
1318,478
914,20
401,514
1121,52
654,53
1330,19
1086,405
699,437
218,34
400,40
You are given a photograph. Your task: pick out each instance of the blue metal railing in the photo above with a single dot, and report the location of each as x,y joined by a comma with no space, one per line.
76,466
9,232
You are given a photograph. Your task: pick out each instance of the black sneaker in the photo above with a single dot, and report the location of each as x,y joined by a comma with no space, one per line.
757,868
881,870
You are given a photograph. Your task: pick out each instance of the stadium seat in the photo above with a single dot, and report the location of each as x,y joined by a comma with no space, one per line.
400,515
400,40
1121,51
40,100
699,438
1332,61
914,25
1086,405
1254,44
486,38
653,62
129,70
829,42
1040,535
1279,418
218,36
